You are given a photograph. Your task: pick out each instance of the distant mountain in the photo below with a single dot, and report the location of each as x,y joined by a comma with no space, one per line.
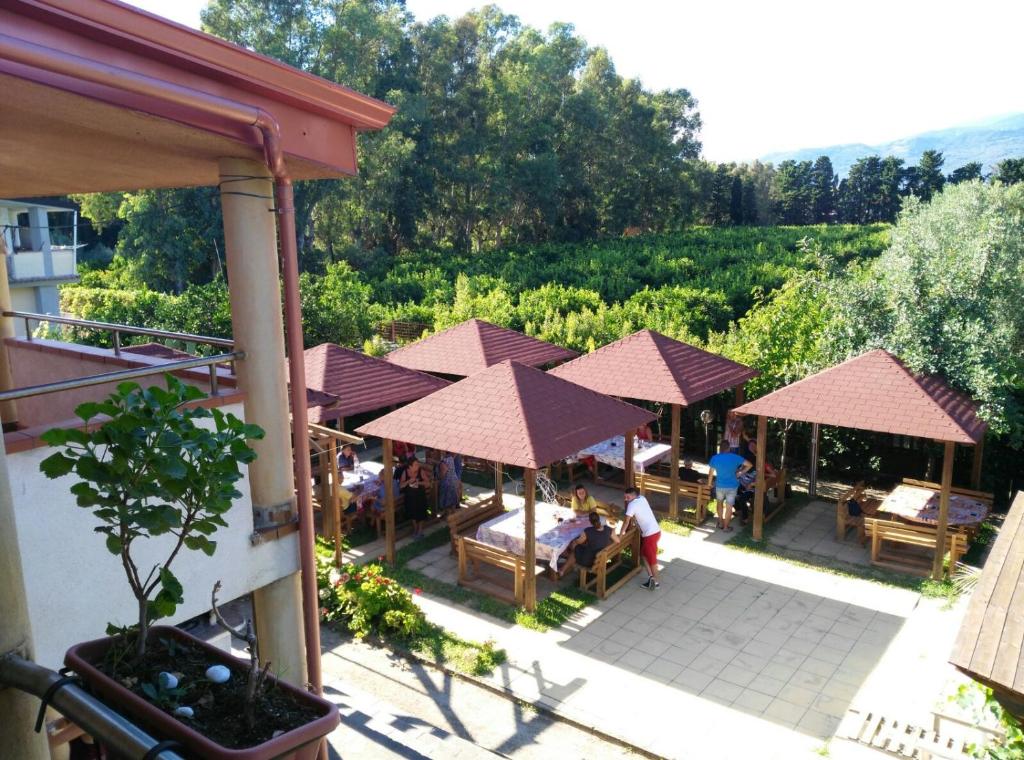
988,141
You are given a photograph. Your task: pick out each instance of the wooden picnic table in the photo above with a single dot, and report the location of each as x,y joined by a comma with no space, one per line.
921,505
555,528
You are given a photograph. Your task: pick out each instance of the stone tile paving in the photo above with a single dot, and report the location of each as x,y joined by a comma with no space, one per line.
812,529
407,706
735,653
372,727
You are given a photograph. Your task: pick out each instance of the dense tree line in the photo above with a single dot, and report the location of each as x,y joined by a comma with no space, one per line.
806,192
505,136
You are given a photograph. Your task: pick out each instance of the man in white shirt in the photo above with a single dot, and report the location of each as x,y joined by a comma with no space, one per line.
639,511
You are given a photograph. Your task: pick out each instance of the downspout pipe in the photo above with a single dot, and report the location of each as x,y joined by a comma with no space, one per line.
76,67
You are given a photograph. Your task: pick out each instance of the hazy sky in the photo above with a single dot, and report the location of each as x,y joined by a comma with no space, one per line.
775,75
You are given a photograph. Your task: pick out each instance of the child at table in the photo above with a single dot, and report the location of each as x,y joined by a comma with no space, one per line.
858,505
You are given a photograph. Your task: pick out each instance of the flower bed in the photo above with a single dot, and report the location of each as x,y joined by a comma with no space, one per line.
367,602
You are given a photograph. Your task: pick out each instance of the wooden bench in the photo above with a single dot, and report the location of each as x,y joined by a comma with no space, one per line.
608,559
466,519
473,553
924,536
699,492
845,521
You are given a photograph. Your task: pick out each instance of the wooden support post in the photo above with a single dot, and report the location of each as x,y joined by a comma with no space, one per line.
941,525
627,464
673,496
762,441
529,535
499,483
389,501
979,449
812,481
335,501
739,395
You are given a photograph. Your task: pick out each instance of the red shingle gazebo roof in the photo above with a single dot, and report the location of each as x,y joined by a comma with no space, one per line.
361,383
510,413
875,391
475,345
650,366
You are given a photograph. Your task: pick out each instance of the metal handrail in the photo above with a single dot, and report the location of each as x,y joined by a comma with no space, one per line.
126,374
83,709
116,329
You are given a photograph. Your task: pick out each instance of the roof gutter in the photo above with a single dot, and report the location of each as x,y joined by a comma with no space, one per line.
76,67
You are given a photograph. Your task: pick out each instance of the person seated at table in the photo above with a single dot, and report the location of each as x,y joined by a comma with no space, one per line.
347,459
582,502
415,484
859,505
688,474
643,433
583,551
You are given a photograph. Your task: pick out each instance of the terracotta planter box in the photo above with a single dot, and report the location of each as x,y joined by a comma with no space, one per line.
300,743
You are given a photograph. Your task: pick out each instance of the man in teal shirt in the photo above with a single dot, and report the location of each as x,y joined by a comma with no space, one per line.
725,469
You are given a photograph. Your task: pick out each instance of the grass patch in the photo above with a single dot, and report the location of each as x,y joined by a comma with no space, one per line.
678,527
444,648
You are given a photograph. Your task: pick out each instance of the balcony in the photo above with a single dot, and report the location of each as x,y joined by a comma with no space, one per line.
51,378
58,263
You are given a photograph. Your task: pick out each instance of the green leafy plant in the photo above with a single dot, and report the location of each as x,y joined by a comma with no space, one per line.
152,469
368,601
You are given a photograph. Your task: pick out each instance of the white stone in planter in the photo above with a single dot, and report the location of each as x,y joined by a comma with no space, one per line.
167,680
184,712
218,673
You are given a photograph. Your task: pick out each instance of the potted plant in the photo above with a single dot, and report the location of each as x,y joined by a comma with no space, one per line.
158,464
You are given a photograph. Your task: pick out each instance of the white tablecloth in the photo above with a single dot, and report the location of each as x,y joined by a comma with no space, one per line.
508,531
613,453
366,474
922,505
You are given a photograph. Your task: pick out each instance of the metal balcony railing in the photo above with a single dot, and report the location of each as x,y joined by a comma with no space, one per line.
127,374
92,716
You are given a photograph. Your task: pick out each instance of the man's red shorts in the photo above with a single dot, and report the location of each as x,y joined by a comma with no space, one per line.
649,548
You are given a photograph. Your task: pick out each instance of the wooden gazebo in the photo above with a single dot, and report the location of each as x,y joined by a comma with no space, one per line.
509,414
653,367
341,383
360,382
875,391
475,345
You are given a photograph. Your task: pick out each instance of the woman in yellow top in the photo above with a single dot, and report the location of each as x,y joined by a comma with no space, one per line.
582,501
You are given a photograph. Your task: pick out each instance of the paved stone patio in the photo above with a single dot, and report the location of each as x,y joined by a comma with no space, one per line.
735,653
812,529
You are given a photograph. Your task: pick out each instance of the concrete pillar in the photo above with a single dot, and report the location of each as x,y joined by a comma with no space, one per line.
250,237
17,739
8,409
